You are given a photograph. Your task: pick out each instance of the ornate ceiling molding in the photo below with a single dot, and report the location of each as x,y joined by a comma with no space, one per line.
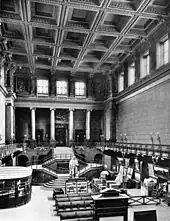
44,28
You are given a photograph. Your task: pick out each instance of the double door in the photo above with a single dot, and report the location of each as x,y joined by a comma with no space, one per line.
60,136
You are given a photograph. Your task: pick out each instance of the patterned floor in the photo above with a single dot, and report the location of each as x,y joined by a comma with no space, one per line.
41,208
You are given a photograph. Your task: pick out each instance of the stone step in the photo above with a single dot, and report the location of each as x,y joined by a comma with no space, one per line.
57,183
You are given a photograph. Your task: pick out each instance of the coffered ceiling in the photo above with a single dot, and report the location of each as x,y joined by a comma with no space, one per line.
76,35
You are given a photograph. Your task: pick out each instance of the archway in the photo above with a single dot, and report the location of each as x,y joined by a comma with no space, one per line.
22,160
98,158
7,160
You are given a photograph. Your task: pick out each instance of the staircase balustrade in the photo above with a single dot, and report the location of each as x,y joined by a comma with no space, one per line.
136,148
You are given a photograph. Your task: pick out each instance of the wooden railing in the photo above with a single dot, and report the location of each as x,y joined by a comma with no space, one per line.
143,200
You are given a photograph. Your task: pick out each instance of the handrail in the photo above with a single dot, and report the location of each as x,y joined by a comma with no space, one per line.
51,158
143,200
137,148
89,166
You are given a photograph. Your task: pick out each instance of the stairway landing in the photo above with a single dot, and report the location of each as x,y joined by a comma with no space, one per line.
63,151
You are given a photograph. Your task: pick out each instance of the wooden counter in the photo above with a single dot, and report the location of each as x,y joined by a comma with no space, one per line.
111,206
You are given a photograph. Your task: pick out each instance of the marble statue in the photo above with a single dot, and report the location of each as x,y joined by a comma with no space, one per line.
73,167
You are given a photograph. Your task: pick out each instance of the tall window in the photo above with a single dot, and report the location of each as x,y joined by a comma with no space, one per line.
145,65
131,74
121,82
42,87
62,87
80,88
163,51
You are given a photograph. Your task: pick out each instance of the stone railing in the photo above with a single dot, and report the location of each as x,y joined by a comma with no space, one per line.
7,149
136,148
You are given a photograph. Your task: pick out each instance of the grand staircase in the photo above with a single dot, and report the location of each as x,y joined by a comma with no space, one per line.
66,154
60,181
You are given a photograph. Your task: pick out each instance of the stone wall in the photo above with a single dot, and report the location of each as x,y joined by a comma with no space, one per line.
145,112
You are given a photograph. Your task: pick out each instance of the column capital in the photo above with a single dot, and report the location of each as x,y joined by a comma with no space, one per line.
52,109
71,109
89,110
32,108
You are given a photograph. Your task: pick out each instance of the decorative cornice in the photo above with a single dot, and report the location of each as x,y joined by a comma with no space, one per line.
156,10
58,103
121,5
161,75
62,23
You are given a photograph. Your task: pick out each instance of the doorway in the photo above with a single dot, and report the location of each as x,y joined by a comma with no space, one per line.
79,136
60,136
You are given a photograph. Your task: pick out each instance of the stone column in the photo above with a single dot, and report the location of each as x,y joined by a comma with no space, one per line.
71,120
9,122
33,122
2,61
9,118
107,114
52,124
88,124
14,132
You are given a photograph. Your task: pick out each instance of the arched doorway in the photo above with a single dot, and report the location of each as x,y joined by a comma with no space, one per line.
98,158
22,160
7,160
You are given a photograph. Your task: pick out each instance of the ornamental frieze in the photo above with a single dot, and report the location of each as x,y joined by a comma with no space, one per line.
10,15
40,20
137,32
12,35
98,47
105,28
77,25
93,2
51,2
121,5
156,10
